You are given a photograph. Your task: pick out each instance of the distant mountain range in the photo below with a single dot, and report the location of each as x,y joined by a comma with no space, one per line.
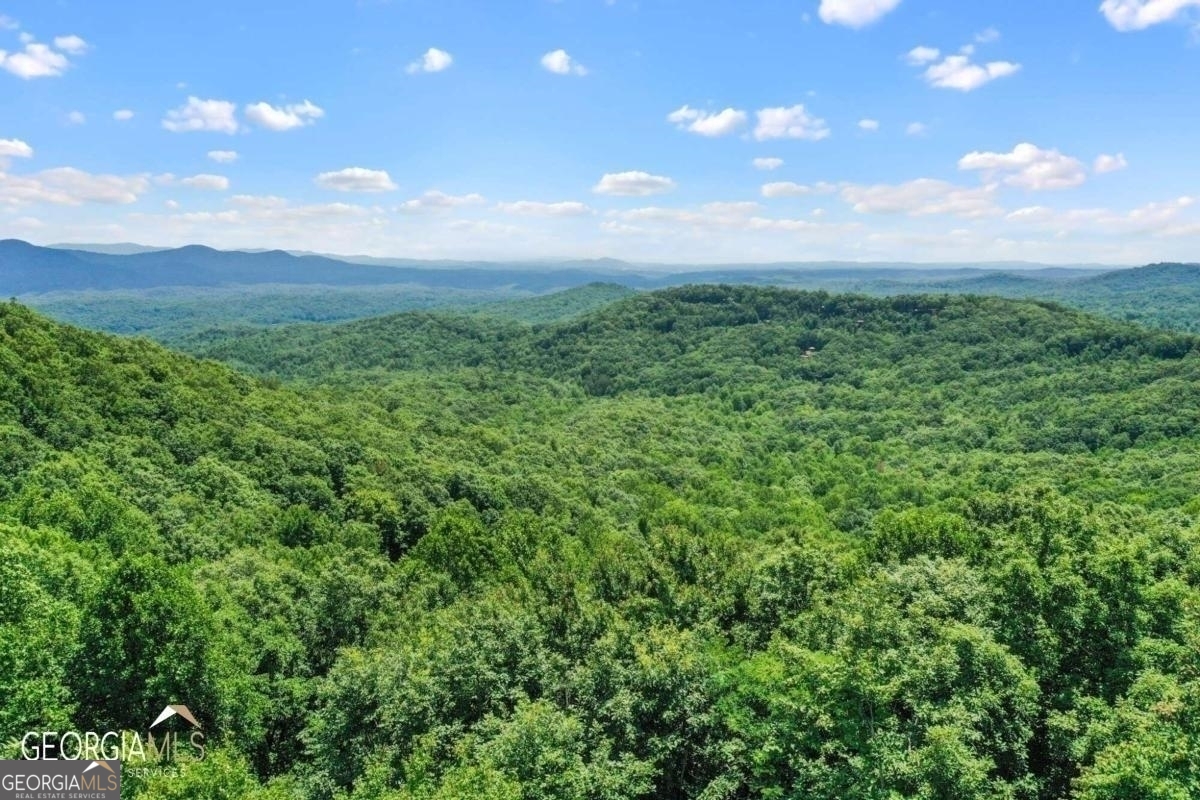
30,269
179,291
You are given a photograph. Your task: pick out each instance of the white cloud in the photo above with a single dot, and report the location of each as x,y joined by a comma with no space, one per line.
435,200
76,118
1028,167
214,183
534,208
959,72
1108,163
258,201
987,36
283,118
712,220
72,45
122,115
734,208
868,124
789,123
704,123
916,129
223,156
35,61
434,60
15,148
768,163
920,56
620,228
854,13
8,23
356,179
922,197
633,184
202,115
560,63
263,214
71,187
790,189
1136,15
171,204
1157,218
717,214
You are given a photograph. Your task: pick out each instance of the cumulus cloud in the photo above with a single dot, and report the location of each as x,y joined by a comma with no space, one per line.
202,115
122,115
1136,15
868,124
8,23
959,72
920,56
215,183
72,45
717,214
705,123
35,61
267,212
916,129
726,217
434,60
922,197
789,123
1028,167
855,13
76,118
987,36
533,208
560,63
790,189
768,163
258,201
633,184
356,179
434,201
1157,218
70,187
15,148
223,156
1108,163
283,118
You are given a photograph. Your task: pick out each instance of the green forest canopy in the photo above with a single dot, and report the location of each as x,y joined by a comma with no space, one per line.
709,542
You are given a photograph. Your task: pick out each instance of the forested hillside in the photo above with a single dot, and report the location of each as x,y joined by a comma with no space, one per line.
709,542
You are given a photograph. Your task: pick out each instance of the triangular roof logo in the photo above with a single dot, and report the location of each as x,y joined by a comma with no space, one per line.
95,764
171,711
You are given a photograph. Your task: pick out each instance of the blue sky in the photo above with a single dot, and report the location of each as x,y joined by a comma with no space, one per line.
919,130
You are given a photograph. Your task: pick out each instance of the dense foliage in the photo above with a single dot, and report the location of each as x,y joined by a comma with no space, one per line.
191,318
707,543
1159,295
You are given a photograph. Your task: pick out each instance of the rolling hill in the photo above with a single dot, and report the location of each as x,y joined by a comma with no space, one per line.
173,294
782,538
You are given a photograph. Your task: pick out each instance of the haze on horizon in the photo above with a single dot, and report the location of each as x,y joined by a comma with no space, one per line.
826,130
